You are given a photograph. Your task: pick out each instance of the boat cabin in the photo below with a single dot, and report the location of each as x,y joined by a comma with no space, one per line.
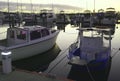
47,18
22,35
93,45
110,13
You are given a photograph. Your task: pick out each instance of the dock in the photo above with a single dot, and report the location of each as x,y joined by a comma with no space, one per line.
23,75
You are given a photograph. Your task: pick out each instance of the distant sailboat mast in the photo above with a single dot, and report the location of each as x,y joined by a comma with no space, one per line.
52,5
94,7
21,6
32,11
8,12
8,6
86,5
17,6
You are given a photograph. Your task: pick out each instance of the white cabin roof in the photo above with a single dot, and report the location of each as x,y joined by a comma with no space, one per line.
30,28
94,29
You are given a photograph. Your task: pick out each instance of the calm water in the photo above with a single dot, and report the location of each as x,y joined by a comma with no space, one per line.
55,60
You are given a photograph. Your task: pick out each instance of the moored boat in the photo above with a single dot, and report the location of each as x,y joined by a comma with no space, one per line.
47,18
86,20
109,17
91,47
27,41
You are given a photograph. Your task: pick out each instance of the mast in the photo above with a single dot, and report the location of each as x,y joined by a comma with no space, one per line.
21,6
8,6
31,6
94,7
86,5
52,5
17,6
8,14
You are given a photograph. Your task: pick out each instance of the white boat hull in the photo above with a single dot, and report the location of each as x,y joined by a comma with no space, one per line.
32,49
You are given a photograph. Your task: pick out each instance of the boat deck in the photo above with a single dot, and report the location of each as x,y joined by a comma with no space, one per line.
21,75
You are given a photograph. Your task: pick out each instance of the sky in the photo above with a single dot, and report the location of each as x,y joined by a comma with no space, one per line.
86,4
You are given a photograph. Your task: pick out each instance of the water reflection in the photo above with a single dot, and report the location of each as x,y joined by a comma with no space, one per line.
91,72
39,62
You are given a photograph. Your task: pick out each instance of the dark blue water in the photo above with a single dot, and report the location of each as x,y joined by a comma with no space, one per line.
55,60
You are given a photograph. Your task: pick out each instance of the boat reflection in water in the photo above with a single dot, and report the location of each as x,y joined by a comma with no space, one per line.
39,62
86,73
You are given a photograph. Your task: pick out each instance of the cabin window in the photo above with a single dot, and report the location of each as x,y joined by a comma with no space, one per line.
35,35
44,32
12,34
21,35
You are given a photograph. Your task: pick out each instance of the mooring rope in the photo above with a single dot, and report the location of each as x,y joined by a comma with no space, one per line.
56,64
61,58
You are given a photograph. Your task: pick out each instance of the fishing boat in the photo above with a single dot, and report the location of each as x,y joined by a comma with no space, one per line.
62,20
47,18
90,48
89,56
87,20
27,41
109,17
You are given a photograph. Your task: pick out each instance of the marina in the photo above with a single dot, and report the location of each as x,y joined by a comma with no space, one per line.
59,65
59,41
